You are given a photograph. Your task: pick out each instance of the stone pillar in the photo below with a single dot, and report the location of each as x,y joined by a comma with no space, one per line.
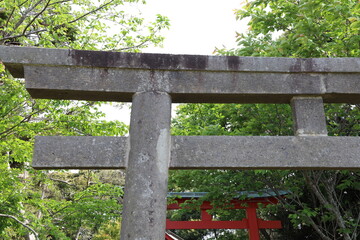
144,214
308,116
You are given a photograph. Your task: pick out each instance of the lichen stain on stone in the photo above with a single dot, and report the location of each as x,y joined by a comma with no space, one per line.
104,72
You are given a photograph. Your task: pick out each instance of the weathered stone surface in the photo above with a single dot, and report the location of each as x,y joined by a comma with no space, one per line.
308,116
110,76
80,152
19,56
102,84
148,166
263,152
210,152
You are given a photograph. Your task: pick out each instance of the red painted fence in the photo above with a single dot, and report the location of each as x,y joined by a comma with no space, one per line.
251,222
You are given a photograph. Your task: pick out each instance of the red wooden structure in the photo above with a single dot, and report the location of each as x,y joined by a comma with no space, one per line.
251,222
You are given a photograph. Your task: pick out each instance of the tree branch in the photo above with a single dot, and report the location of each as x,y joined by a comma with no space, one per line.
336,211
14,109
88,13
21,4
36,16
354,234
64,1
284,203
10,16
23,34
23,224
316,191
62,181
25,119
331,206
136,46
25,15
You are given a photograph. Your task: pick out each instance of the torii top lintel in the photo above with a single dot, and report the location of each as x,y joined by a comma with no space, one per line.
116,76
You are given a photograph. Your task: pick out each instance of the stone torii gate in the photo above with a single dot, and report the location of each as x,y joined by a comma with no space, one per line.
152,82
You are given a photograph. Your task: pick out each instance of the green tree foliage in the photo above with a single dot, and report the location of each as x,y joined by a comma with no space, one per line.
109,230
303,28
23,118
51,204
322,204
85,24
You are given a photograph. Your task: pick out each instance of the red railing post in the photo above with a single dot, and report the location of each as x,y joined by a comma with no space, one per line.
253,222
205,216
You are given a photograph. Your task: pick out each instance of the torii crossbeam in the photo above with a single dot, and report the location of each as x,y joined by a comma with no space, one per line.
152,82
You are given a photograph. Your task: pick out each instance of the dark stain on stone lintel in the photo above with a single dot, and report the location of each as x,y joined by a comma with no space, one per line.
296,67
96,58
166,61
138,60
159,61
196,62
304,65
310,65
233,62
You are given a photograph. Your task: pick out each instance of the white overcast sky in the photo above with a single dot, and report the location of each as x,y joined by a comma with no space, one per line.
197,27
